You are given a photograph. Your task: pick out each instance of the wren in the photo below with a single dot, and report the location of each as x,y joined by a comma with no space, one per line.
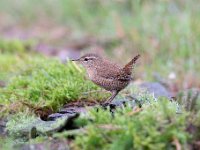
107,74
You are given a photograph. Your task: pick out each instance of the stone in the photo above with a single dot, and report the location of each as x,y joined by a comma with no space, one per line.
38,127
157,89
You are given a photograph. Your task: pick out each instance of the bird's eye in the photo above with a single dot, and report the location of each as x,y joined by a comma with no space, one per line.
86,59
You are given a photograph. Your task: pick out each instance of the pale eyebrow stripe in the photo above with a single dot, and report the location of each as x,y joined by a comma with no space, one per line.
91,57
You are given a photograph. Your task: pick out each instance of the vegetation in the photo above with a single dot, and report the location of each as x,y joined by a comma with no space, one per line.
50,82
154,126
47,82
157,123
12,56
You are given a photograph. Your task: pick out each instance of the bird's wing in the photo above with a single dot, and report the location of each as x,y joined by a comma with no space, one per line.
124,77
109,70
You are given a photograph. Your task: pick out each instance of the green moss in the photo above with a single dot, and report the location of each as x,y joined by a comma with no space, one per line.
9,65
13,55
48,82
156,126
6,143
24,126
17,124
14,46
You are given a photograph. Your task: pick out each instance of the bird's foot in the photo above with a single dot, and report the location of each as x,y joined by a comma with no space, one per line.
105,104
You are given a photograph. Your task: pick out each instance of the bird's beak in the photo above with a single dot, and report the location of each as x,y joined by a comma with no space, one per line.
74,59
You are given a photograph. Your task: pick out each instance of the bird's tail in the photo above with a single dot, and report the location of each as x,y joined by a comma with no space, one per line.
128,67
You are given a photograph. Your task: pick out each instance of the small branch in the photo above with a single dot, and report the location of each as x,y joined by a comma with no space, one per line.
95,91
77,67
176,143
109,127
135,111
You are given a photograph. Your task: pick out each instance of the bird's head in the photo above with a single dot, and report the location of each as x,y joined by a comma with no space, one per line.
89,60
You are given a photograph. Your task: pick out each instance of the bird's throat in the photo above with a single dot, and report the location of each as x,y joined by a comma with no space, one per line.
91,73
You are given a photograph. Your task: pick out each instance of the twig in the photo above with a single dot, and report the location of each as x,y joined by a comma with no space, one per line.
95,91
135,111
109,127
77,67
176,143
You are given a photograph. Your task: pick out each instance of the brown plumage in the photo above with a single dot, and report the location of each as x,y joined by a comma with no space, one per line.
107,74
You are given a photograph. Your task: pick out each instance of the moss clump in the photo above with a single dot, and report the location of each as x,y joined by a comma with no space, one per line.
156,126
14,46
48,82
13,54
9,65
17,124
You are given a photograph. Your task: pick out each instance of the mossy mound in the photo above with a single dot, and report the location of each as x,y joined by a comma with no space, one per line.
39,82
48,82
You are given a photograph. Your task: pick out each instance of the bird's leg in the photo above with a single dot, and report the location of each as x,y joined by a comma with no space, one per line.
114,94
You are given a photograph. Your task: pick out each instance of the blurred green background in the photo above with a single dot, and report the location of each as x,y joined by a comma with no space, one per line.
165,32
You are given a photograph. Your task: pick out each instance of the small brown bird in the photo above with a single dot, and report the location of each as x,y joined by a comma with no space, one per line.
106,74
